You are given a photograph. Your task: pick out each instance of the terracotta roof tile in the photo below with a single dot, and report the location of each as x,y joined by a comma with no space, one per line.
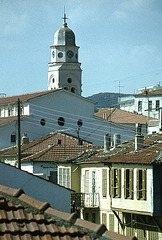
121,116
24,218
125,153
47,148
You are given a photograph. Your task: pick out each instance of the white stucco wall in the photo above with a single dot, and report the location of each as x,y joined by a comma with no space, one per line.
72,108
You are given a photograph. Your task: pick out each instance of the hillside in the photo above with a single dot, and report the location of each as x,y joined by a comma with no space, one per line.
106,99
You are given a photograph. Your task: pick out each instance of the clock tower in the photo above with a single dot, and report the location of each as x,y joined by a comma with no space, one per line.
64,69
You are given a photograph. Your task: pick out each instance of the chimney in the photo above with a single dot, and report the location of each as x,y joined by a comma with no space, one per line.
138,129
117,140
25,139
107,142
139,139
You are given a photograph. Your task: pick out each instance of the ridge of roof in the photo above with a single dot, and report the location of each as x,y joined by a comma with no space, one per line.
40,214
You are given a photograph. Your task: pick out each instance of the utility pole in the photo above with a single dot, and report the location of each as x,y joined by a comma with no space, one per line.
18,135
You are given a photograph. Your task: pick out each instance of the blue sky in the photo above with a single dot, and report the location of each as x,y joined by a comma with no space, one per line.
120,43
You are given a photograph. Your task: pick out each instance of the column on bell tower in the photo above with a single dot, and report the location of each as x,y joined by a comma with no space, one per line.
64,69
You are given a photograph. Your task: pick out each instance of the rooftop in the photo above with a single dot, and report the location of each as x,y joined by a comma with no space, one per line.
52,147
124,153
121,116
24,97
23,217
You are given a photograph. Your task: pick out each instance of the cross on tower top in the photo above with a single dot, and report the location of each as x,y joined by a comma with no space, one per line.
64,17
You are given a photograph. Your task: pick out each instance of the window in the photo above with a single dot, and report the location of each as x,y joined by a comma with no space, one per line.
157,105
86,216
53,176
59,141
42,121
73,90
13,137
61,121
64,177
79,122
86,182
104,183
149,104
116,182
128,183
139,106
141,184
69,80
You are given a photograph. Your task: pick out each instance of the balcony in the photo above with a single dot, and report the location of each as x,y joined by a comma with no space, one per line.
88,200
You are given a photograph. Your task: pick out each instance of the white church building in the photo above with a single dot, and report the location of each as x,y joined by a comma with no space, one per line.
61,107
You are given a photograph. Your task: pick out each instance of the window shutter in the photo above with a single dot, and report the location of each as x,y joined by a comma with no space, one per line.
138,193
111,222
144,184
131,184
119,182
112,183
104,219
104,182
125,185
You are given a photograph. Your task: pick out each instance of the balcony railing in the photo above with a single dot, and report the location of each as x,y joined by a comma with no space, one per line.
81,200
92,200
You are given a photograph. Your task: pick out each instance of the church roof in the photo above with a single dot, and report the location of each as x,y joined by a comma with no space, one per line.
25,97
29,96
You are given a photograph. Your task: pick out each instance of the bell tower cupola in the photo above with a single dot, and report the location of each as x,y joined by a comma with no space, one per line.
64,69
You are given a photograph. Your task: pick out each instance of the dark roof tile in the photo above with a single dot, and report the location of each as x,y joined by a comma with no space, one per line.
25,223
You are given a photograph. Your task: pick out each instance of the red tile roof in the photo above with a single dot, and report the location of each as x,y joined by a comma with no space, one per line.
25,97
121,116
47,148
125,153
22,217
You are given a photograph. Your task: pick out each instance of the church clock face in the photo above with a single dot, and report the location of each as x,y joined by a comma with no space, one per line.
60,54
70,54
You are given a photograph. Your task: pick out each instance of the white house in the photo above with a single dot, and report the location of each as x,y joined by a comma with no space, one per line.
148,102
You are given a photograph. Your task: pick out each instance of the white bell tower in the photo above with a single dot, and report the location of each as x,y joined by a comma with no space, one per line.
64,69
